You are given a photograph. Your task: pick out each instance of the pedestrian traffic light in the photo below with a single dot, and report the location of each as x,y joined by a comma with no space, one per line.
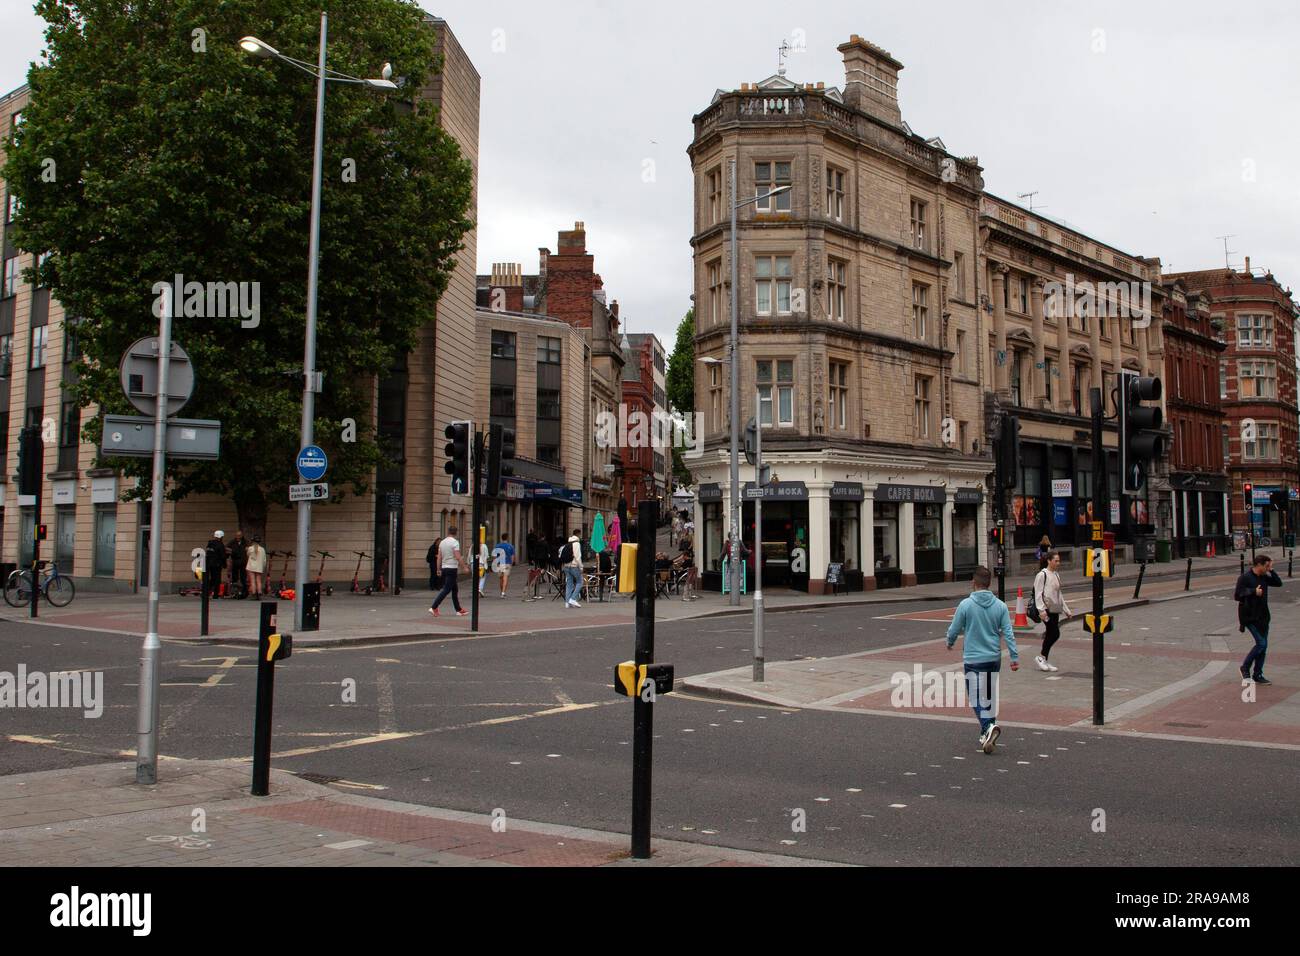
1009,451
1248,495
1140,441
459,453
41,532
494,459
31,460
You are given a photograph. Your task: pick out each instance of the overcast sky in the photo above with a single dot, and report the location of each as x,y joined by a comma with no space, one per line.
1155,127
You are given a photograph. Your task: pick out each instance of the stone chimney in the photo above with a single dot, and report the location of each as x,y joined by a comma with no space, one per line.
871,79
508,277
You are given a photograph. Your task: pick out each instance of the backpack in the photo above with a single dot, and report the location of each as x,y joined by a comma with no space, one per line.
1032,610
566,553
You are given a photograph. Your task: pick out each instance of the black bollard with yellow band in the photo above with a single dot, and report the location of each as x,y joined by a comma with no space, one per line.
271,647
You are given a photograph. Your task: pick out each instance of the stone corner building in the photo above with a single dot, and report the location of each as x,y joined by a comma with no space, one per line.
859,331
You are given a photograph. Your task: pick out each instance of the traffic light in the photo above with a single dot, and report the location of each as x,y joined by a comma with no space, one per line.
1248,496
1140,441
31,460
42,532
1009,451
459,453
494,460
1278,500
751,441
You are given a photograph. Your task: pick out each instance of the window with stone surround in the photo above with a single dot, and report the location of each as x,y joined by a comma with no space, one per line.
1022,295
769,176
959,360
837,288
920,235
714,208
839,395
921,405
715,396
778,392
1257,378
1254,331
834,193
959,274
772,280
716,300
920,309
11,274
1266,443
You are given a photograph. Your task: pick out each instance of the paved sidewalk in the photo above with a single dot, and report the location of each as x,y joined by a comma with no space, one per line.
201,814
1173,683
359,619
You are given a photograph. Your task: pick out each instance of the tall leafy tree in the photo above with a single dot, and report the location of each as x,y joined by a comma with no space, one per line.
680,382
153,146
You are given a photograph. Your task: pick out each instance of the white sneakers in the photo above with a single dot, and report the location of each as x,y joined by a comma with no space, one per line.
1044,664
572,604
989,739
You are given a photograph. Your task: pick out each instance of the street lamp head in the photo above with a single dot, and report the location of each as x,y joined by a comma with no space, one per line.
384,84
256,47
780,189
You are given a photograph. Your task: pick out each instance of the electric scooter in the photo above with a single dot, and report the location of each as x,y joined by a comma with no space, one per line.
356,575
282,591
329,588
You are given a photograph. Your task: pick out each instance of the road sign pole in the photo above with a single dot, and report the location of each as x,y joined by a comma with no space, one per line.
146,760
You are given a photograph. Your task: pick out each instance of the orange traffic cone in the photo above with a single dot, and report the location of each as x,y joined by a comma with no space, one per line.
1022,619
1214,549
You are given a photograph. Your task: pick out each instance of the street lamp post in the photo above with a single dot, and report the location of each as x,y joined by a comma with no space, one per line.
310,378
734,537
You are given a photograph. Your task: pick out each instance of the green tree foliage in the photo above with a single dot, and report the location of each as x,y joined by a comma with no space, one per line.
154,146
680,382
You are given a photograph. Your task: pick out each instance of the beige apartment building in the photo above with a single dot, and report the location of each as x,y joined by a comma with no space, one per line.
859,330
101,539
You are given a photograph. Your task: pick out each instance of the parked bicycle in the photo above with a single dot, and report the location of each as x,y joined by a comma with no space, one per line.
57,588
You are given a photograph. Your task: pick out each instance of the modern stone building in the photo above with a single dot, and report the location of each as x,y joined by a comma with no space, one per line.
102,539
859,331
1258,389
566,401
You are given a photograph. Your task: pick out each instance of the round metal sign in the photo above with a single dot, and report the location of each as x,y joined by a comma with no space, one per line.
139,373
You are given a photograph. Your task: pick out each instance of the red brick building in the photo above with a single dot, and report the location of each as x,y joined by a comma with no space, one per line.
1198,477
638,396
1257,385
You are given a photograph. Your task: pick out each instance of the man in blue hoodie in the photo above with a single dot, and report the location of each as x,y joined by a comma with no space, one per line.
986,622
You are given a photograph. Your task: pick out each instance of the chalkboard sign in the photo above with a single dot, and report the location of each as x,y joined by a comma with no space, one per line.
835,573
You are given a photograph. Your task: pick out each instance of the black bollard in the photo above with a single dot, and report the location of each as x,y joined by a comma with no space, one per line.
1142,572
1187,585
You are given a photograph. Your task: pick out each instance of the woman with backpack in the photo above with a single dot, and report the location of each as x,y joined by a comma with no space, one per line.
571,561
1050,604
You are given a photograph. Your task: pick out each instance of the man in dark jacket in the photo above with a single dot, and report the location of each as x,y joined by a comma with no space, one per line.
239,566
1253,614
216,563
431,558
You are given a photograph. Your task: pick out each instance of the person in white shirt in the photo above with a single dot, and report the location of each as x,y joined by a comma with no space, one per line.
1051,605
484,563
571,561
451,562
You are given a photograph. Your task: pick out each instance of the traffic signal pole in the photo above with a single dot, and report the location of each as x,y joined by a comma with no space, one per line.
476,480
1101,513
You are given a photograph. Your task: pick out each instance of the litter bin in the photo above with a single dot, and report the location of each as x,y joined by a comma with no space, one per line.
1164,552
1108,542
311,606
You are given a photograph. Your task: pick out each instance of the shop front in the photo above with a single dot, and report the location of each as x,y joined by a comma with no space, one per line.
918,527
967,504
784,550
1199,514
846,498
